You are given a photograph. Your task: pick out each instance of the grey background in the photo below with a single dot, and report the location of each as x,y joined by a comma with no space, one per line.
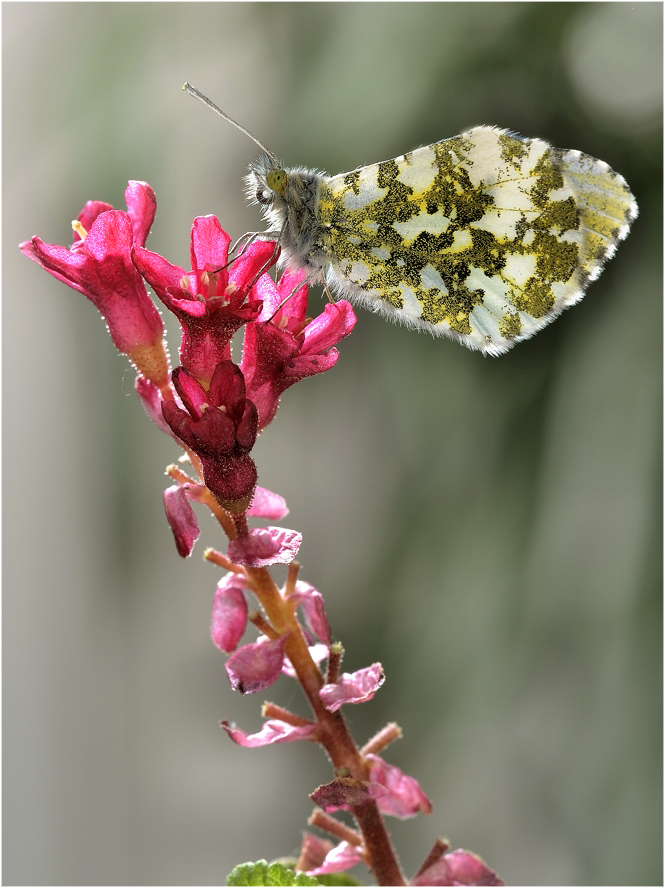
487,528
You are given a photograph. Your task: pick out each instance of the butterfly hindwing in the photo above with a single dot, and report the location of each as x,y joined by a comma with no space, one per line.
484,237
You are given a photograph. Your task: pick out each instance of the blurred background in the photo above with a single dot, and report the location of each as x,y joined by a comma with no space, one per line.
489,529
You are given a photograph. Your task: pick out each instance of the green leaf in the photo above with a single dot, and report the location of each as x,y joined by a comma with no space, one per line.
263,873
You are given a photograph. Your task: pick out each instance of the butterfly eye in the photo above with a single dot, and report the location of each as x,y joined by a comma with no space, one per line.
276,181
264,198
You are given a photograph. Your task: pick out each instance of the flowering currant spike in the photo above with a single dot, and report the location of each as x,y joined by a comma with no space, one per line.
99,265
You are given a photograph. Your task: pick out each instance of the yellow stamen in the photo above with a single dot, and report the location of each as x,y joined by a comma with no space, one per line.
79,229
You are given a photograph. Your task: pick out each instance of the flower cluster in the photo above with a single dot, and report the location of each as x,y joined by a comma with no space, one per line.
215,408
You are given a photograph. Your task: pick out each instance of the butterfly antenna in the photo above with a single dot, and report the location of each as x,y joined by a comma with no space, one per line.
206,101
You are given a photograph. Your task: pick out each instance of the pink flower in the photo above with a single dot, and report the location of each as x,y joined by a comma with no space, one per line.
458,868
342,857
220,426
254,667
212,301
283,346
99,265
405,798
273,731
229,612
356,687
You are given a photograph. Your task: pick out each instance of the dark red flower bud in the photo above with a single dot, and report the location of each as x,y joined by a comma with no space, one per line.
220,426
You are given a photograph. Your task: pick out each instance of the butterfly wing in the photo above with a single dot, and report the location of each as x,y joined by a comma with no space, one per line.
485,237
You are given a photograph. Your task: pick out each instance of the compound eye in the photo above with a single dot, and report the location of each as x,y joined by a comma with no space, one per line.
276,181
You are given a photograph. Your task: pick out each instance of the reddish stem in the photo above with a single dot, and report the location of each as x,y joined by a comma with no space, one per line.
335,735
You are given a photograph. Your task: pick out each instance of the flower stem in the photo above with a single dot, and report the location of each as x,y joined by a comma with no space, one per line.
335,735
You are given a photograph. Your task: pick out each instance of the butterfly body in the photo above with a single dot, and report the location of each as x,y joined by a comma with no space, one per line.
485,237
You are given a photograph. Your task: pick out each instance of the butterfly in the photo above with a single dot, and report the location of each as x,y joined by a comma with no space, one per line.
484,237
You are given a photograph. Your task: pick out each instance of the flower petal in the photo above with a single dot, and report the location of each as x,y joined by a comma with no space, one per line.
356,687
194,396
182,519
458,868
405,797
209,248
229,612
265,546
273,731
141,207
313,851
267,504
152,399
254,667
311,601
89,213
341,857
337,321
260,255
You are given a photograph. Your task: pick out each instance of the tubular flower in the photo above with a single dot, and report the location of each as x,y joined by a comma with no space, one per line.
283,346
220,426
214,299
99,265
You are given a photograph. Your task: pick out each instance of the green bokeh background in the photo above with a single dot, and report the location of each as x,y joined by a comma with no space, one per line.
487,528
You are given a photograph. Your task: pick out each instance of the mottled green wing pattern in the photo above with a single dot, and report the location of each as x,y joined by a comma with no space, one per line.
485,237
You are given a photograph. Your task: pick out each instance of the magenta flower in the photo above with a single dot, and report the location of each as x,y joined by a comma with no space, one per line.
212,301
99,265
283,346
220,427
